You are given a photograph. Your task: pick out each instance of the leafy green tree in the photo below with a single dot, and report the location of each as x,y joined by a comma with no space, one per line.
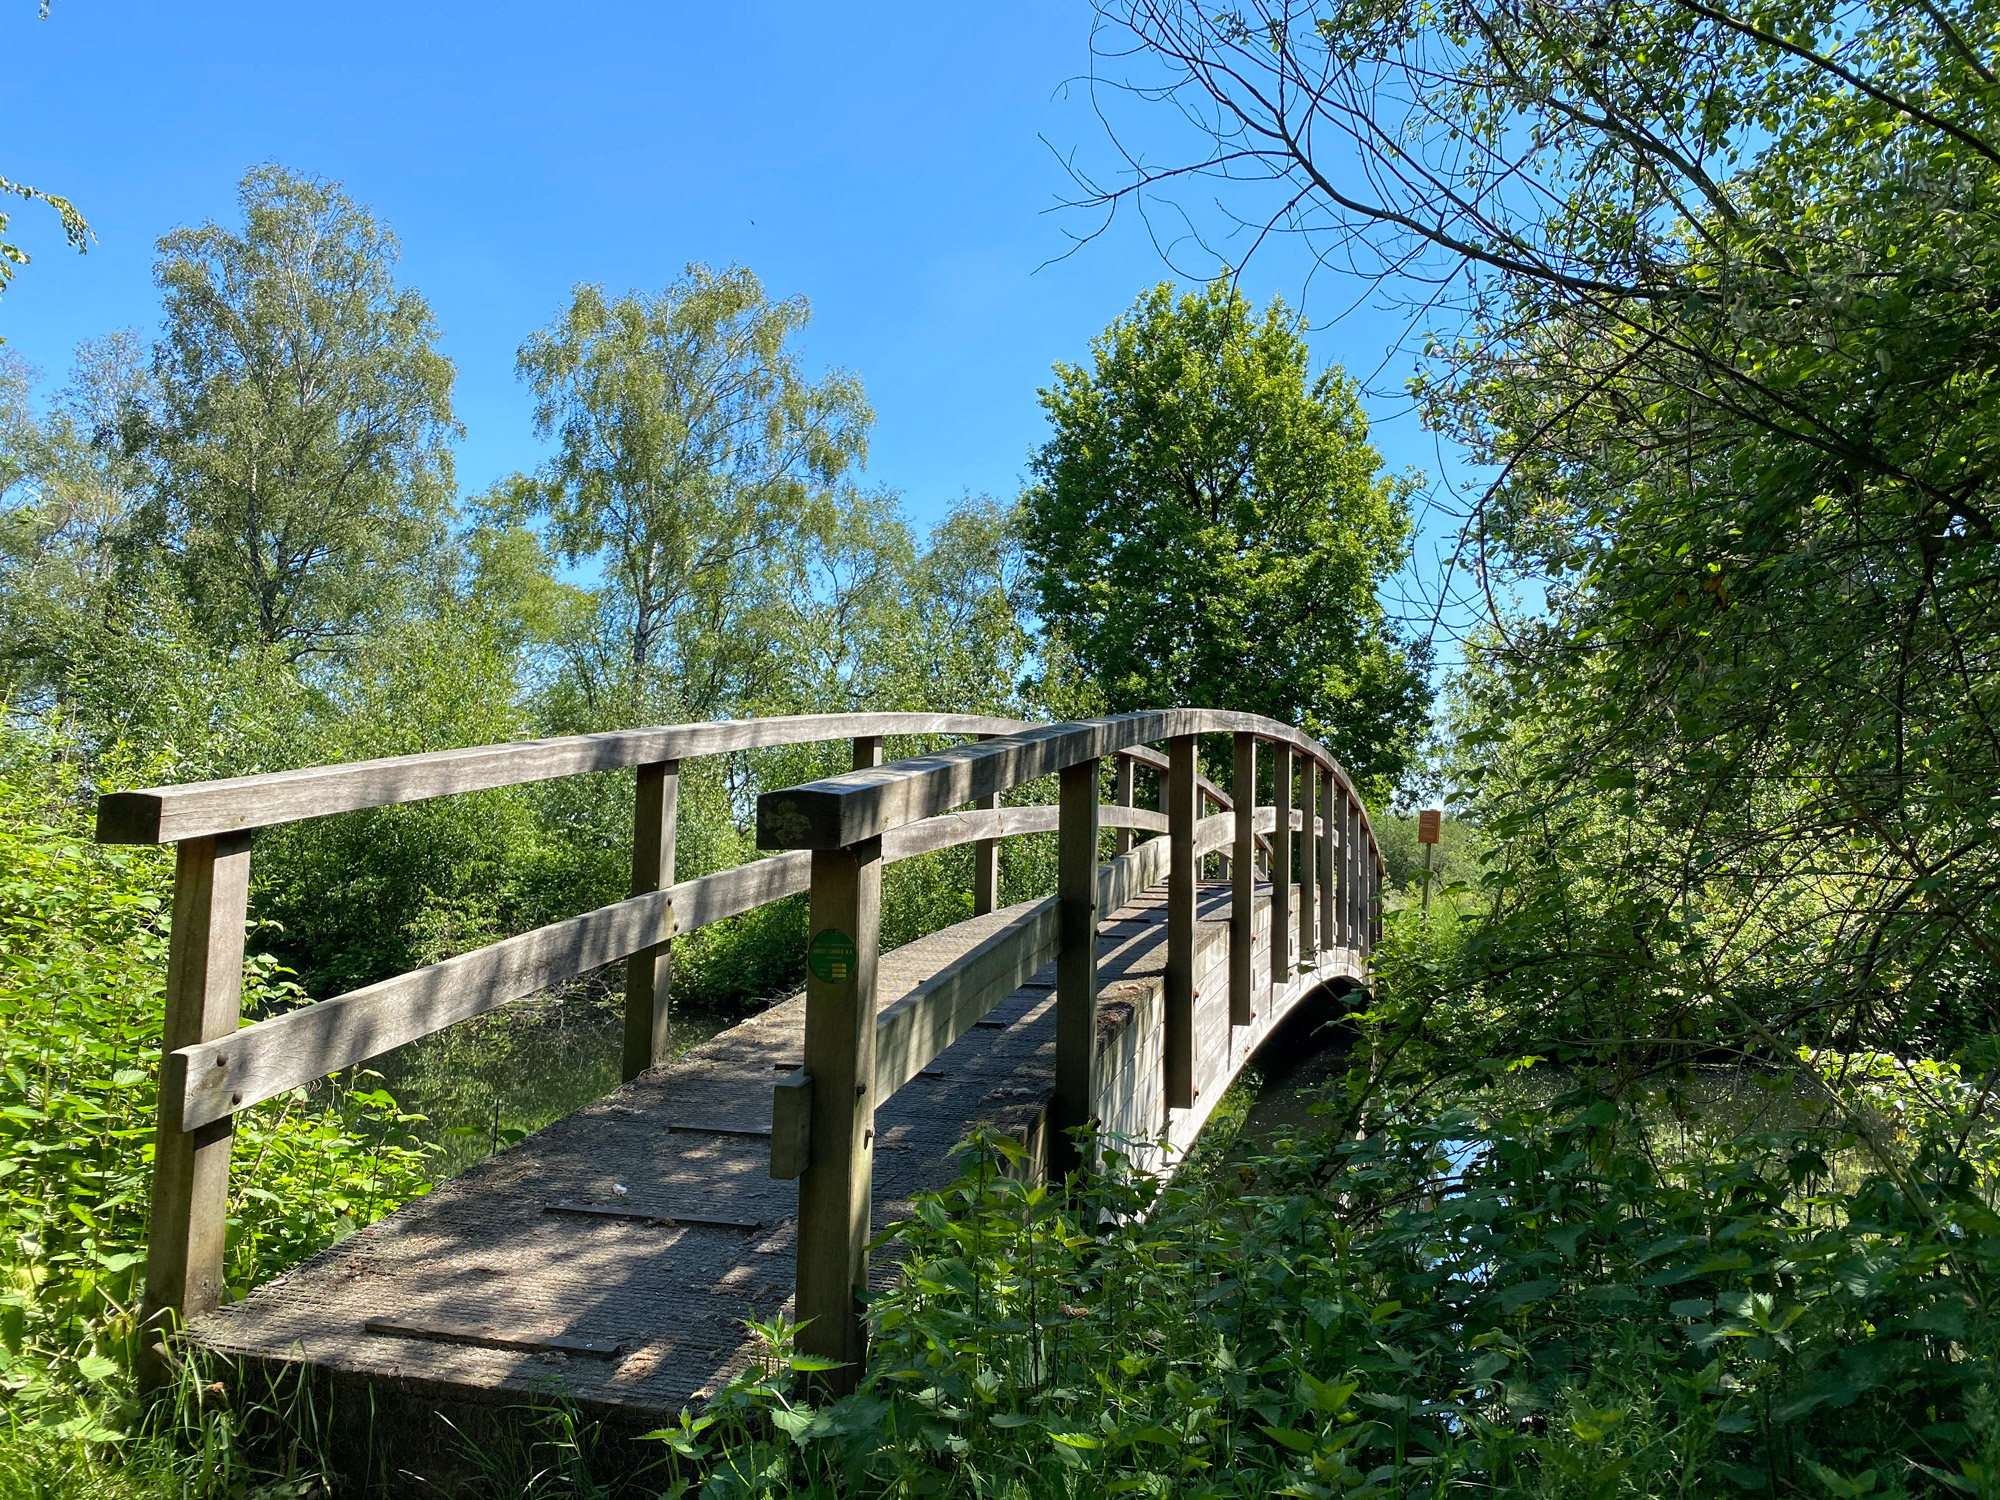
690,444
1713,288
1211,527
75,231
301,441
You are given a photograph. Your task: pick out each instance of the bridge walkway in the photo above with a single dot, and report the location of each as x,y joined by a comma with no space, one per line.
536,1273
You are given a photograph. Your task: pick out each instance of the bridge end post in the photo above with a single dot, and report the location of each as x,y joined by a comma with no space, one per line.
648,973
1075,1101
1183,871
185,1238
836,1187
1243,883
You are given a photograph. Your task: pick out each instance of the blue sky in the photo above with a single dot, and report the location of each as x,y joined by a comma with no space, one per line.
896,164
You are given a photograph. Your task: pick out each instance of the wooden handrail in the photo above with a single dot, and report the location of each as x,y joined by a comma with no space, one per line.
214,1079
839,811
164,815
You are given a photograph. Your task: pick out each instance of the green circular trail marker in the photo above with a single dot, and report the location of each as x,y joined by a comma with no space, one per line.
831,957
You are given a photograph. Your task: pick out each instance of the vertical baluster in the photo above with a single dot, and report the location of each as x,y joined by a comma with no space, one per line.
1308,861
649,972
1182,875
835,1188
190,1213
1281,867
1122,779
986,861
1075,1101
1350,874
1332,842
868,751
1243,883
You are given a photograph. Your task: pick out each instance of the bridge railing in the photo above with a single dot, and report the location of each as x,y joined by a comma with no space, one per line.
823,1115
213,1067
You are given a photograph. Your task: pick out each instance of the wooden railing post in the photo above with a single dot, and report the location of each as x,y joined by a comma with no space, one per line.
1333,842
868,751
1243,885
1348,870
190,1213
1281,867
1308,862
835,1188
986,861
1122,779
649,972
1075,1101
1182,875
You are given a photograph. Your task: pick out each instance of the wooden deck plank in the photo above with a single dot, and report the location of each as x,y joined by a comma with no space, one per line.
483,1252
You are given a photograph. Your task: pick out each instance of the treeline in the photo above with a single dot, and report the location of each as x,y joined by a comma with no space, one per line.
242,547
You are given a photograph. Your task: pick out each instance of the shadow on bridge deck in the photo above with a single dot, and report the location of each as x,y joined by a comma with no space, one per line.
530,1275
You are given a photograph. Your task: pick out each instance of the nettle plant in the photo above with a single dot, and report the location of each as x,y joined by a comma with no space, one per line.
1590,1299
83,934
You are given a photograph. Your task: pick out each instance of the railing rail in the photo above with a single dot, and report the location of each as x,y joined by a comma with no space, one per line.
824,1116
213,1067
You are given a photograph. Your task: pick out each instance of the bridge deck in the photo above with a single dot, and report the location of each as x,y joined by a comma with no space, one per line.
484,1290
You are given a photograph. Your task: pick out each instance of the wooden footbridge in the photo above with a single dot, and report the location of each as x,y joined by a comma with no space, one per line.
613,1256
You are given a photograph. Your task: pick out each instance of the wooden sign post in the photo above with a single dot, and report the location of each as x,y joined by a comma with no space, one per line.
1427,835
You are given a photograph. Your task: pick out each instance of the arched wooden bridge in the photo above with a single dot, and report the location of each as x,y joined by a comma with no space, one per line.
612,1256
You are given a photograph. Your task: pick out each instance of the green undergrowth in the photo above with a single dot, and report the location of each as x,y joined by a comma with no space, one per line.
1566,1301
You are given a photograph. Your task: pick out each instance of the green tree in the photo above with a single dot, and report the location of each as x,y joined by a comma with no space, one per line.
301,441
1211,527
690,445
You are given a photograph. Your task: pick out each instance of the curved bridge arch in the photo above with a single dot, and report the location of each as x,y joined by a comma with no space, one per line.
1163,980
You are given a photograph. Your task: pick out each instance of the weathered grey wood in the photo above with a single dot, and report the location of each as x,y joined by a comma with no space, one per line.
1122,779
834,1190
649,972
915,1031
190,1206
1332,841
1243,893
161,815
791,1124
840,810
1183,871
867,751
1076,965
1282,815
1351,877
1308,865
986,863
259,1062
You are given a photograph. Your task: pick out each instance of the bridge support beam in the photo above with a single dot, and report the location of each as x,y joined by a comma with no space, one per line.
190,1214
1183,873
835,1188
649,972
1243,882
1076,966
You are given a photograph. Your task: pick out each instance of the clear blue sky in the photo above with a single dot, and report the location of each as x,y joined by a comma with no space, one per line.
893,163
